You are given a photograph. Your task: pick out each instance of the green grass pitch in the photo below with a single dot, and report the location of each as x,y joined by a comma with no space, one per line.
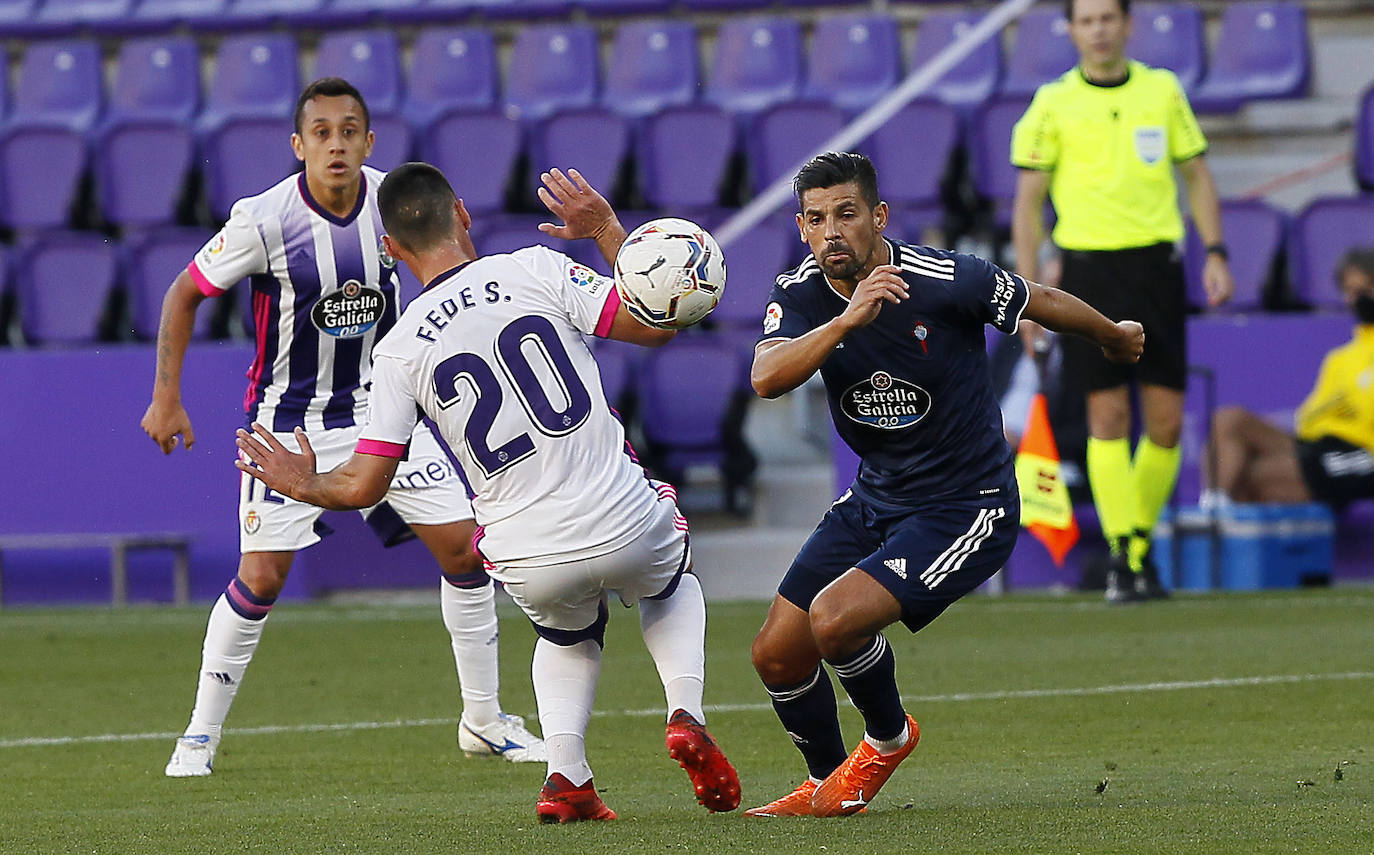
1209,724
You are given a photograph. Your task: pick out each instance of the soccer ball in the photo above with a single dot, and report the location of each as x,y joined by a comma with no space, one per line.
670,273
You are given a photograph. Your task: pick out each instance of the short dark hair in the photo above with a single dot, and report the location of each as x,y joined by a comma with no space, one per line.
1124,4
330,87
416,203
1360,258
838,167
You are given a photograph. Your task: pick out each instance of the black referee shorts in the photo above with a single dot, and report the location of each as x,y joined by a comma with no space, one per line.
1145,285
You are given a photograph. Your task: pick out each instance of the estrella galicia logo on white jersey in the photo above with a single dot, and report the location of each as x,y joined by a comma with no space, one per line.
772,318
587,279
350,311
886,402
1149,144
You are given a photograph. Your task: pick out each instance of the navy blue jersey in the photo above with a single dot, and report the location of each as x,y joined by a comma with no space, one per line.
911,392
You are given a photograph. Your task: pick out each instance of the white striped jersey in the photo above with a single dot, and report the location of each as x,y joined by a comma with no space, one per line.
324,292
494,352
911,393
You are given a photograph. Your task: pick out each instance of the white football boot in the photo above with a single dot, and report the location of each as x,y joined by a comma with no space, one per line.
193,757
506,737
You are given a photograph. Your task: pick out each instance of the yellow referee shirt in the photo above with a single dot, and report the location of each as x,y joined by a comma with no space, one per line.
1342,402
1111,151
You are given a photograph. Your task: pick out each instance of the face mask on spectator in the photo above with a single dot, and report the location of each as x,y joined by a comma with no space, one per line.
1364,308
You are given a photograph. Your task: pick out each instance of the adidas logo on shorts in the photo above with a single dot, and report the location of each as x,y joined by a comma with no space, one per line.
896,565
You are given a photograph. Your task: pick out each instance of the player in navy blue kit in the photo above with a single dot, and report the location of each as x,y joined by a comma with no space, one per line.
896,332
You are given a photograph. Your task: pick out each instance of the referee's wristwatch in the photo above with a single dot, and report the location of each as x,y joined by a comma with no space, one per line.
1218,249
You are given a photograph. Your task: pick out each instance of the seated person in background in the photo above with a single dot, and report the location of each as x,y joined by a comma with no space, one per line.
1330,458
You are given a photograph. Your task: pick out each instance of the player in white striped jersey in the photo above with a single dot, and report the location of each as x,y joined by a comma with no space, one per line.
324,292
494,352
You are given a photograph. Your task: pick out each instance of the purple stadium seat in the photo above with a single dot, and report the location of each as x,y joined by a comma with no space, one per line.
521,9
653,65
989,146
43,149
594,141
1040,52
658,8
1170,35
256,75
912,150
973,80
758,63
854,60
59,85
477,151
553,67
352,13
16,17
156,77
494,235
450,69
164,14
63,285
1254,231
254,14
615,362
683,154
140,171
244,157
144,147
685,393
786,135
369,59
1261,52
753,262
79,13
1364,141
152,260
1324,231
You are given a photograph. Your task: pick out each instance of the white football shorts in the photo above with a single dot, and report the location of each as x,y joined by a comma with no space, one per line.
426,490
568,596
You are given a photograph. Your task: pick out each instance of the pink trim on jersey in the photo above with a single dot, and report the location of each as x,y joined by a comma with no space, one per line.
206,287
246,606
262,310
603,324
381,448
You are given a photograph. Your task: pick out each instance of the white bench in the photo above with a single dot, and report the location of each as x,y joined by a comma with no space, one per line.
120,545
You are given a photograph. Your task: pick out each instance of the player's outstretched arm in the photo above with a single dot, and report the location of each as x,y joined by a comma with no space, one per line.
165,418
585,213
1061,311
359,482
783,365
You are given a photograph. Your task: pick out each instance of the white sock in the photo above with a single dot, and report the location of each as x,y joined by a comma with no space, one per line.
675,632
565,689
230,641
470,616
888,746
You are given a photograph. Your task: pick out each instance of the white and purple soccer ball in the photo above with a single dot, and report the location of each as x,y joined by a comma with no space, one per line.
670,273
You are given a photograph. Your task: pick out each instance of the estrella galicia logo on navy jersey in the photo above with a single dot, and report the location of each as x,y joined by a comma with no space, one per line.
350,311
884,401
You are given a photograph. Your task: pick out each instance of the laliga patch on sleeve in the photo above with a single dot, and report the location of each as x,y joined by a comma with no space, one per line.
587,279
211,251
772,318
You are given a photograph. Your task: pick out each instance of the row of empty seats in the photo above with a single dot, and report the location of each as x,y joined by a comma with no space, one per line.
453,107
62,283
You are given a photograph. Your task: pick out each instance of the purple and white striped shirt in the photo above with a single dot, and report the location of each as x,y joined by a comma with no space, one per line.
324,292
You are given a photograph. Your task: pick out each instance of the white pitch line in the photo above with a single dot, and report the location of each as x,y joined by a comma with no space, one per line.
958,697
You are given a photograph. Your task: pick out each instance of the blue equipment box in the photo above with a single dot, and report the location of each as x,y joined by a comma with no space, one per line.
1245,547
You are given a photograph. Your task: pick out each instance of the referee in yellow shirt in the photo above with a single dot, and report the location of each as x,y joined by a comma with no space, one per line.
1103,141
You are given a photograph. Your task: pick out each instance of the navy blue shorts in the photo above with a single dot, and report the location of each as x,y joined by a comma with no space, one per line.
926,556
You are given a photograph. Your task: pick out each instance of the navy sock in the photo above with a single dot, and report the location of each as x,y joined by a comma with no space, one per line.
807,711
870,678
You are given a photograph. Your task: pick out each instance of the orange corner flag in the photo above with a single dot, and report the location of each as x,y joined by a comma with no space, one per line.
1045,507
